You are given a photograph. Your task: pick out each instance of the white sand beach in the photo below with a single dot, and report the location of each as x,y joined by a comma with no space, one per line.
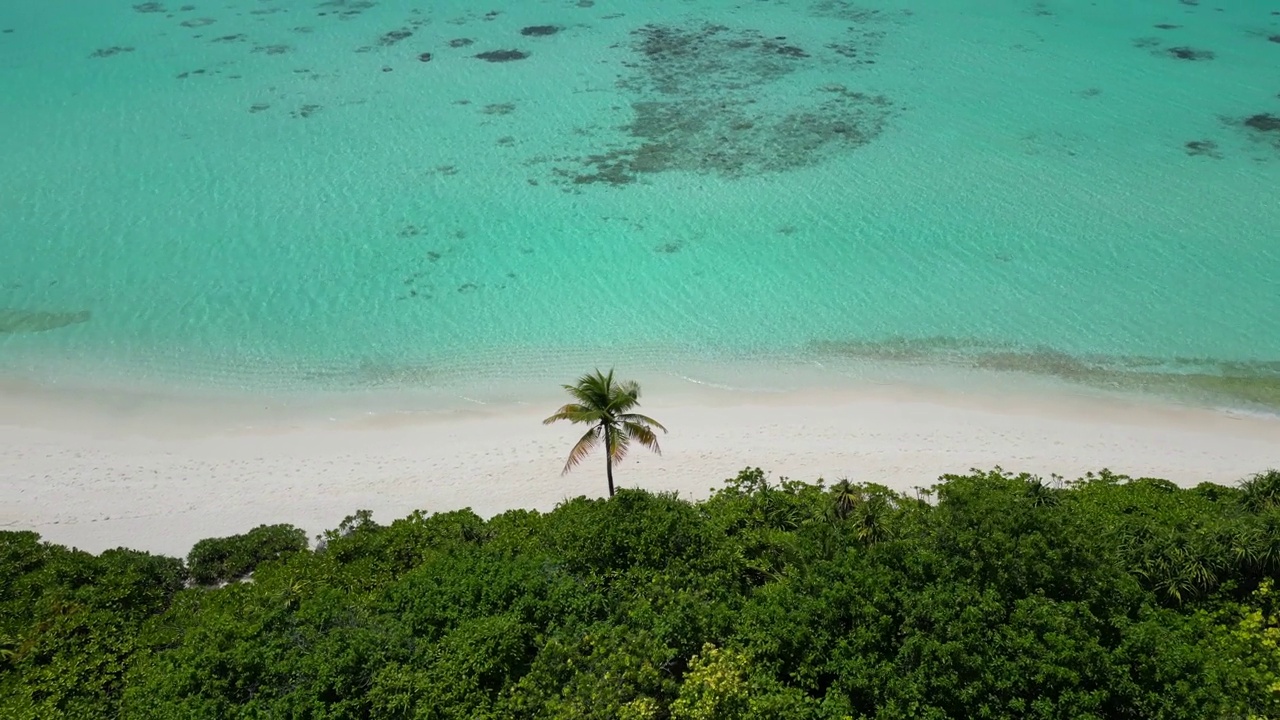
145,474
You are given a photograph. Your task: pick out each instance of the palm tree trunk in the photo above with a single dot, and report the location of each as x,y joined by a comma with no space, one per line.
608,455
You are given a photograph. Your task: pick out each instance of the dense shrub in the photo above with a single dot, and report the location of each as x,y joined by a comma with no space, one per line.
216,560
991,596
69,621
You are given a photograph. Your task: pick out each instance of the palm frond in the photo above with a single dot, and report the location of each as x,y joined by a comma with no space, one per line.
583,448
573,412
584,394
593,390
624,396
1261,491
641,433
620,443
641,419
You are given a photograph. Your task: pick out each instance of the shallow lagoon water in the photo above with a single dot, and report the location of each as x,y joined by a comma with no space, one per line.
292,195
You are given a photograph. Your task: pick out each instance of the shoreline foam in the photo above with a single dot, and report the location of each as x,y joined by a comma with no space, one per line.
159,472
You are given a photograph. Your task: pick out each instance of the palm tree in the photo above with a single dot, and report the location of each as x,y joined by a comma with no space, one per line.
604,404
1262,491
1040,494
846,497
866,510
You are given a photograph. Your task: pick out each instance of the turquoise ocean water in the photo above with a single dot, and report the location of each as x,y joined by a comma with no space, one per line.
281,194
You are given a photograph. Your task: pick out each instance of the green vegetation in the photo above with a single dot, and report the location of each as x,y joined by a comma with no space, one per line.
988,596
605,405
217,560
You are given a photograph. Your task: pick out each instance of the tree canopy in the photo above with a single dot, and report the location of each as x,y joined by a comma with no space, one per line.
993,595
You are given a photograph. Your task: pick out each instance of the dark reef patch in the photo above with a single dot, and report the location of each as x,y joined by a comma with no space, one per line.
781,48
1261,128
110,51
497,56
700,105
670,248
259,107
272,49
461,42
678,59
197,22
391,38
540,30
1273,38
27,321
1188,53
1166,26
238,37
149,7
424,57
499,109
1202,148
305,111
1256,382
1263,122
863,35
844,10
346,9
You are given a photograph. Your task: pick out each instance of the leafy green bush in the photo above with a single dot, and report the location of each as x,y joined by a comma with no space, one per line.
68,624
992,595
216,560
